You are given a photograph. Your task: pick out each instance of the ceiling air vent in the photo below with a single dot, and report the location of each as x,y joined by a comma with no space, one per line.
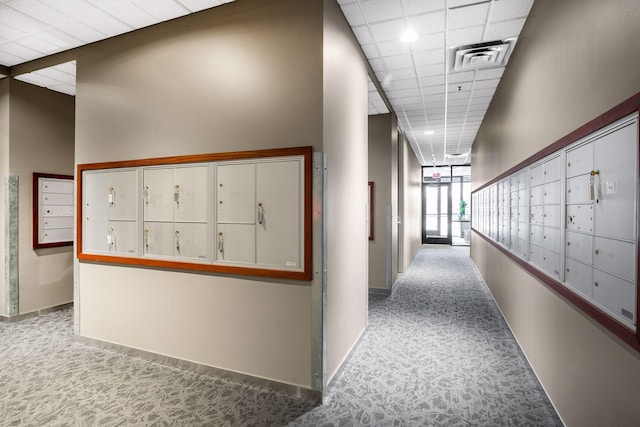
482,55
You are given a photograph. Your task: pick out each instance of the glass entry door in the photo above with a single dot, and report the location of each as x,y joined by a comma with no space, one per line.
436,223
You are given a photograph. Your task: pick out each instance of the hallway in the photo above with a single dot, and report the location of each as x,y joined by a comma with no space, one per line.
437,352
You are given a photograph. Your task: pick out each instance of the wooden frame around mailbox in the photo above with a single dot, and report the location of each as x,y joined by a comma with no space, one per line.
625,108
305,274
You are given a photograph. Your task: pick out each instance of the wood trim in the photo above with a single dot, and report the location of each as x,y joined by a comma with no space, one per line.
36,203
305,275
629,106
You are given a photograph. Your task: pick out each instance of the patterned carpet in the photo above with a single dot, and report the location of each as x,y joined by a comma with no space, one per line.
436,353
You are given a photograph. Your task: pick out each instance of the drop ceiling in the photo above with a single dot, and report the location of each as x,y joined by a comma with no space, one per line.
439,108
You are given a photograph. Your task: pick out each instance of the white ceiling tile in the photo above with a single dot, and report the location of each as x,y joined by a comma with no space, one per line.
398,61
131,15
459,87
385,31
20,51
363,34
65,88
39,11
370,50
415,7
430,70
67,67
162,9
402,93
107,24
481,93
486,84
37,79
57,75
20,21
430,90
428,42
83,32
76,9
490,73
504,10
58,38
468,16
405,84
7,32
198,5
40,45
466,76
432,81
405,73
409,100
8,59
428,22
394,47
353,13
381,10
436,98
504,30
465,36
377,64
428,57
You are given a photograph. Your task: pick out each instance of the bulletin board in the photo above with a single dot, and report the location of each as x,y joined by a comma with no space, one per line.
244,213
52,210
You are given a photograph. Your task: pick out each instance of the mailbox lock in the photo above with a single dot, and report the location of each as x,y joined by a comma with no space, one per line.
596,284
597,251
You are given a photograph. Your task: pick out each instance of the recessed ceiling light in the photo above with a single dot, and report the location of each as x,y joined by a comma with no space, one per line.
429,132
409,36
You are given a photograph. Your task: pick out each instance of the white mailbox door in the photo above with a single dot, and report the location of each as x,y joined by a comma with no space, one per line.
193,191
158,239
191,241
616,158
536,176
158,194
279,222
235,243
552,169
615,256
122,237
616,294
579,277
95,218
580,247
235,189
123,195
580,160
578,189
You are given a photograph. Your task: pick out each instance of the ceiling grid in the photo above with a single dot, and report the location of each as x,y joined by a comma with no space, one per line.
424,92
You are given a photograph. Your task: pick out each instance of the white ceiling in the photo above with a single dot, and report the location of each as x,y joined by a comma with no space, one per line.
415,76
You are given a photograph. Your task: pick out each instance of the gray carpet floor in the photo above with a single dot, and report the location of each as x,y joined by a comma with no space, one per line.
436,353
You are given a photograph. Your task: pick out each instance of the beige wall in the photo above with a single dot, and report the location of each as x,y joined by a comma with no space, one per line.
575,60
42,140
345,95
247,75
4,171
412,204
383,146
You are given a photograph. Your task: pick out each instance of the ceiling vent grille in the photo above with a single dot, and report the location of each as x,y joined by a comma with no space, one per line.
482,55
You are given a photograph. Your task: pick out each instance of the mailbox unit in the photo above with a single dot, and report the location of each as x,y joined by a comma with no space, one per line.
242,213
572,214
52,210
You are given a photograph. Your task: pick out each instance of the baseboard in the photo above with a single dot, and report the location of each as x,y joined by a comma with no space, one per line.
19,317
237,377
